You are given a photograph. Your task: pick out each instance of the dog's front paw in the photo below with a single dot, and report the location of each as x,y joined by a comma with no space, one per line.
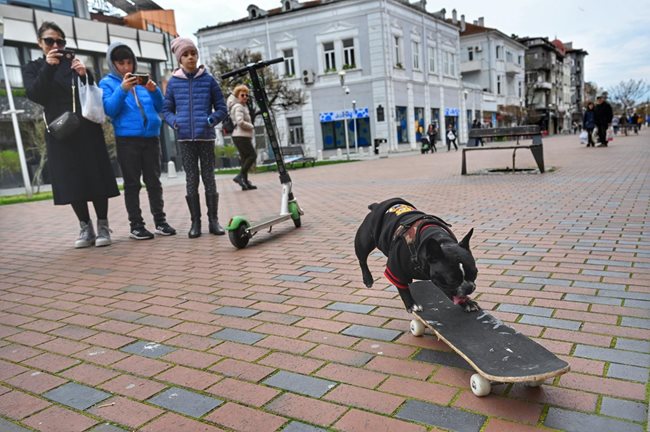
471,306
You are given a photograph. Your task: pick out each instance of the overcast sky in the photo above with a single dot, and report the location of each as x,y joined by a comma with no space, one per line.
616,34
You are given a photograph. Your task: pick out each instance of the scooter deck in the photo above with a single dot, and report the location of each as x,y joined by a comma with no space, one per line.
494,350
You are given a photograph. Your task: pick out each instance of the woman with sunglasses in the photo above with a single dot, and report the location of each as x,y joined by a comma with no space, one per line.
242,136
79,166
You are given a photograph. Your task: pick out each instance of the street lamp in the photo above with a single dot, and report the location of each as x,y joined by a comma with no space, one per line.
346,91
354,119
521,111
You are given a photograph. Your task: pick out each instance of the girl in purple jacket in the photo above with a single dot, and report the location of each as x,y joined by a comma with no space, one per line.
193,106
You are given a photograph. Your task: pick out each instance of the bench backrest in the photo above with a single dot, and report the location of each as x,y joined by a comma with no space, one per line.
515,131
292,150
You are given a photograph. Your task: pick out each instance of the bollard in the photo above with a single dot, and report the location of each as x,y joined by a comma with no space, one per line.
171,170
319,156
339,153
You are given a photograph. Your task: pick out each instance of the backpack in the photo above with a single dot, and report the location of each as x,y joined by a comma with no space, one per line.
227,125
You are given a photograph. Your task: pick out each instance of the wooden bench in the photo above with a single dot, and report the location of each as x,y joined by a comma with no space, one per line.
293,154
517,132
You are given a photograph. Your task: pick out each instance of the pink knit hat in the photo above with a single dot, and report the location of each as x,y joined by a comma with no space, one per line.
180,45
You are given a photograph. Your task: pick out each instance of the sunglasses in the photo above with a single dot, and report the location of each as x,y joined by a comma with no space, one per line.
51,41
244,94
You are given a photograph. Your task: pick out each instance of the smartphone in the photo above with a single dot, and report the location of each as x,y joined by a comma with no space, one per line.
143,79
68,54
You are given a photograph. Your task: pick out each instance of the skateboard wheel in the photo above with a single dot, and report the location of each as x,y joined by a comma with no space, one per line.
479,385
417,328
534,384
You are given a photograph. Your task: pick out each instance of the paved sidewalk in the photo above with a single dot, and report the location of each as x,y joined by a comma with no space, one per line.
175,335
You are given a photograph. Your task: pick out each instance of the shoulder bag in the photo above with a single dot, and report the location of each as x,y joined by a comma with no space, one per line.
67,123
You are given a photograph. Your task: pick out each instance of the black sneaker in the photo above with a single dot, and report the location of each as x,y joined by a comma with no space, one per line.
165,229
140,233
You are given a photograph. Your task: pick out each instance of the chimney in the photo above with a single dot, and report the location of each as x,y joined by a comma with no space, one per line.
462,23
454,18
475,22
481,21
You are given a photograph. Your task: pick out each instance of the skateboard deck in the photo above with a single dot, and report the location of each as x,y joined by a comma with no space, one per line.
497,352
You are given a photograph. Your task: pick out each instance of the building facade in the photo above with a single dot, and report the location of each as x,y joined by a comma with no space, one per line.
387,68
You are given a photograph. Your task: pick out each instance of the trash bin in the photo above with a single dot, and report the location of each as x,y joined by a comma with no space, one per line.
377,143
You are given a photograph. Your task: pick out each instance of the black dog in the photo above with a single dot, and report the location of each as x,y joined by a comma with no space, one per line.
418,246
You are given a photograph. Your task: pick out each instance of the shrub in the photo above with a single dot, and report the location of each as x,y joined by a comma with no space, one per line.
9,162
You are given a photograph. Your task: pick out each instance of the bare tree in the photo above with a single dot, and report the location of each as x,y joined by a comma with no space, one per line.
627,93
279,92
36,147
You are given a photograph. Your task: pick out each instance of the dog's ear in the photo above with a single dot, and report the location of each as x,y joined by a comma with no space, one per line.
431,250
464,243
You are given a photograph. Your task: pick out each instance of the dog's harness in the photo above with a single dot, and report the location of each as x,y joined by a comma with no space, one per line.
411,230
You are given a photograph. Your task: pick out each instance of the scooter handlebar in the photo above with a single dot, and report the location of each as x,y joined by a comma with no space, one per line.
244,70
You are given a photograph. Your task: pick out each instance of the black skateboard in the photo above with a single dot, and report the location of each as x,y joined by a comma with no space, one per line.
497,352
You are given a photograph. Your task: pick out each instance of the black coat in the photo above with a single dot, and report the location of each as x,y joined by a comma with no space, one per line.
80,169
603,114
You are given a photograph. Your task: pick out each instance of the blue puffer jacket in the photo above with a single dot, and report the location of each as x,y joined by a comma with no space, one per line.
193,105
121,106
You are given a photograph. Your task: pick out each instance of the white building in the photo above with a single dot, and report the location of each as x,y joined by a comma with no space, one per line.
399,63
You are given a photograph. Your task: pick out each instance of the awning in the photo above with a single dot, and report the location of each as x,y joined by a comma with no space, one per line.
20,31
91,35
152,45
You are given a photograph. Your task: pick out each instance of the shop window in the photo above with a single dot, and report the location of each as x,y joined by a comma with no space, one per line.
402,124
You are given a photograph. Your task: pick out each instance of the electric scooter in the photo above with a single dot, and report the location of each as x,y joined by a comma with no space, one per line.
240,230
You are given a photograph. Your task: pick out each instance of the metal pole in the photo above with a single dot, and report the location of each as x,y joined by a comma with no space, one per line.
345,125
14,121
356,136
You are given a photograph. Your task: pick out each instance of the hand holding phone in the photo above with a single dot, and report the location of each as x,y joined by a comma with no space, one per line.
142,78
66,53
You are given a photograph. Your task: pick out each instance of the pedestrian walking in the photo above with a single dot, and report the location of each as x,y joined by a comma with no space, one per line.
134,111
432,134
242,135
193,106
451,137
603,116
79,166
589,123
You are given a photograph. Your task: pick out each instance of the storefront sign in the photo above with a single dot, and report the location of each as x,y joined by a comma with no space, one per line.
340,115
451,112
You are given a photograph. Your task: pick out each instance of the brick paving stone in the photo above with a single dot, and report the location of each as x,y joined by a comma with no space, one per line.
7,426
296,426
351,307
313,411
188,377
526,310
494,406
444,358
126,412
572,421
107,427
57,419
245,419
631,373
50,362
8,370
633,345
35,381
171,422
429,392
361,421
236,311
17,353
617,356
147,349
302,384
76,396
191,358
240,369
633,411
341,355
133,387
292,362
365,399
351,375
89,374
185,402
371,332
241,391
550,322
141,366
18,405
239,336
444,417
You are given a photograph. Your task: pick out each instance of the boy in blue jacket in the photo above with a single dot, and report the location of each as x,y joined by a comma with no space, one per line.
193,106
134,111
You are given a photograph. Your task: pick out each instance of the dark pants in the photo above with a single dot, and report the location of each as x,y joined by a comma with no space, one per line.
81,209
247,154
450,142
193,153
602,133
590,137
141,157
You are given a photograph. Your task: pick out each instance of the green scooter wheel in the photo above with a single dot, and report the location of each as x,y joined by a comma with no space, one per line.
295,214
239,237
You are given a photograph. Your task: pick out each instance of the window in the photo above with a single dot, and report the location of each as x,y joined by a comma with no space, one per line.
330,57
415,46
14,73
520,60
295,130
432,60
509,56
519,88
349,61
499,53
289,64
449,63
402,125
498,84
397,45
470,53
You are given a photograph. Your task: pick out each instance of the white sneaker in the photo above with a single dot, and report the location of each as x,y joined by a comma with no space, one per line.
103,233
86,235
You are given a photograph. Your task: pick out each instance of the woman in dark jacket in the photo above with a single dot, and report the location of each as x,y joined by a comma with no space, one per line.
589,123
79,165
